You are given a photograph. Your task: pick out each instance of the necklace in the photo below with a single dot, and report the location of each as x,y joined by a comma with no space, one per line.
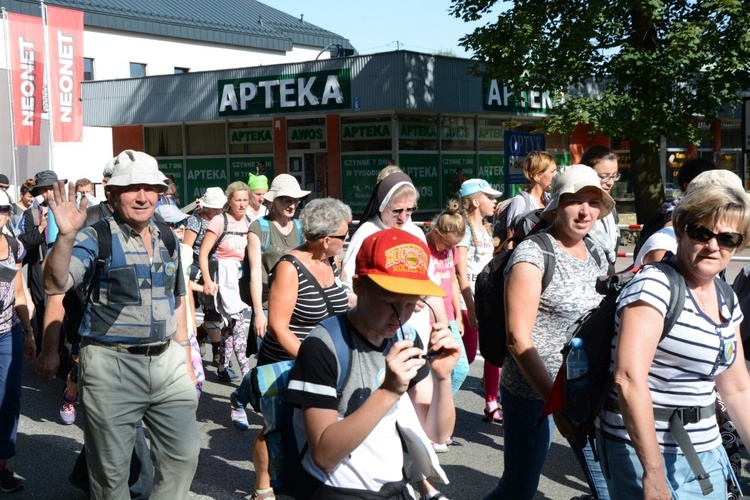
703,302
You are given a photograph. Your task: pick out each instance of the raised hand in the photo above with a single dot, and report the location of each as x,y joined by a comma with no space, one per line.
69,216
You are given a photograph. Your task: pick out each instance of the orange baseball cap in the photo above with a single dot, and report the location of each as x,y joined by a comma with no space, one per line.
397,261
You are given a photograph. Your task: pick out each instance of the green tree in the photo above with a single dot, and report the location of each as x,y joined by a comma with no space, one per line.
660,66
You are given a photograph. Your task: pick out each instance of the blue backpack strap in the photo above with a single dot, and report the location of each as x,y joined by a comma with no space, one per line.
298,228
342,341
265,233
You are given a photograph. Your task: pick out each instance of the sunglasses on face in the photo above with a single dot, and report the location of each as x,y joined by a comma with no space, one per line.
399,211
5,209
342,237
702,234
177,225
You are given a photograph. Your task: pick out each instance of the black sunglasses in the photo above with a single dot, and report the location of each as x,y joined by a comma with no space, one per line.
6,209
341,237
178,224
399,211
702,234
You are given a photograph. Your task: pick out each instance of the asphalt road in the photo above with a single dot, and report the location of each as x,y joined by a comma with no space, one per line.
47,449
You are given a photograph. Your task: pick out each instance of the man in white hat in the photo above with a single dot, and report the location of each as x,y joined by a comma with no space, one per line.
135,356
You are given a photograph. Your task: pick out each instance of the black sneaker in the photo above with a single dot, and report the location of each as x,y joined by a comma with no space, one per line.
226,374
9,482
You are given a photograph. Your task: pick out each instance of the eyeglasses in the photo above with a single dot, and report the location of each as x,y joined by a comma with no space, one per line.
702,234
342,237
609,177
287,200
5,209
4,186
177,225
399,211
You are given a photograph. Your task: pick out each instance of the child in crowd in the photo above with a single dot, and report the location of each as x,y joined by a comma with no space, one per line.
474,252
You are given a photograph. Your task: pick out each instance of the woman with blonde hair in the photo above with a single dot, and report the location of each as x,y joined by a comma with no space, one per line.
474,252
539,168
226,241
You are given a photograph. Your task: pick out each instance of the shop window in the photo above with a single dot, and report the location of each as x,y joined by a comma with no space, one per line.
163,140
306,134
205,139
137,70
417,133
457,134
731,135
490,135
371,133
250,137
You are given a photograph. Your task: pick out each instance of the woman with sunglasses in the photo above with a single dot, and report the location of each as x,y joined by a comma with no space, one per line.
702,354
392,203
226,240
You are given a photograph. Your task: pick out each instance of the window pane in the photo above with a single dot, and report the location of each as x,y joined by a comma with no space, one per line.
206,139
163,141
137,70
88,69
250,137
179,71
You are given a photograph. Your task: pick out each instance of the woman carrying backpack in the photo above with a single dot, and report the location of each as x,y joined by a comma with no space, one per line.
226,238
658,434
473,253
536,323
539,168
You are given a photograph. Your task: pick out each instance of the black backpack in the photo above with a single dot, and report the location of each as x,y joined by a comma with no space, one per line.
597,329
489,288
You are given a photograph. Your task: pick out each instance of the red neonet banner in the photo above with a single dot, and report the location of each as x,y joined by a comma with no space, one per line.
27,74
65,31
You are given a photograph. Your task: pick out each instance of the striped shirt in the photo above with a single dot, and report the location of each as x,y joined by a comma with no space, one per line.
686,361
309,310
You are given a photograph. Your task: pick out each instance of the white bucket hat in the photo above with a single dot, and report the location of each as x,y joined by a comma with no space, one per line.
718,177
214,197
573,179
134,167
285,185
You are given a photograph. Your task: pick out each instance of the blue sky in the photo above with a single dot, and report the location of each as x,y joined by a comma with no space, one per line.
376,26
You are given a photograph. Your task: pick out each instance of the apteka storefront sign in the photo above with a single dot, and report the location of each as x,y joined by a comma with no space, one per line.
497,97
285,93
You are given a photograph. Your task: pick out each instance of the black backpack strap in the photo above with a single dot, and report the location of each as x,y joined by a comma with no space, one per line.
167,237
677,296
548,253
593,250
104,240
727,293
12,246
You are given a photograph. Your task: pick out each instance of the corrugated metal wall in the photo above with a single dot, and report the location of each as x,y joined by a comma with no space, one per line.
389,81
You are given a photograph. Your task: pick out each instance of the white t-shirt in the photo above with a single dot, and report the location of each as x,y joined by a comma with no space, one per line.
663,239
477,255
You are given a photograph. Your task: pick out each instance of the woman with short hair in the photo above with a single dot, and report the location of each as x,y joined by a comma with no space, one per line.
664,383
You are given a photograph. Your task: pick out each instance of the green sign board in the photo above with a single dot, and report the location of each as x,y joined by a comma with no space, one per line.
241,168
497,97
285,93
450,179
360,131
176,169
423,170
359,176
250,135
204,173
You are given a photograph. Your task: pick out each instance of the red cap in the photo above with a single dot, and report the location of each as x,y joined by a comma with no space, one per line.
397,261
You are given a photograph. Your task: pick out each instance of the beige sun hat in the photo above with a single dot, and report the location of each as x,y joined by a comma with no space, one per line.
285,185
134,167
214,197
718,177
573,179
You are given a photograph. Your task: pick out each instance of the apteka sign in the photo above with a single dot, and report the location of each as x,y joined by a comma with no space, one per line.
285,93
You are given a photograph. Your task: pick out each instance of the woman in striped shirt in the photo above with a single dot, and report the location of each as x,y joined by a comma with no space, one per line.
643,454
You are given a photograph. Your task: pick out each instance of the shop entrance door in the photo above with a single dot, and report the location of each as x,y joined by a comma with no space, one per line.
311,172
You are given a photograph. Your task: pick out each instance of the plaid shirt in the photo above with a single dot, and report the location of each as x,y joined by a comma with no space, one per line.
136,302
